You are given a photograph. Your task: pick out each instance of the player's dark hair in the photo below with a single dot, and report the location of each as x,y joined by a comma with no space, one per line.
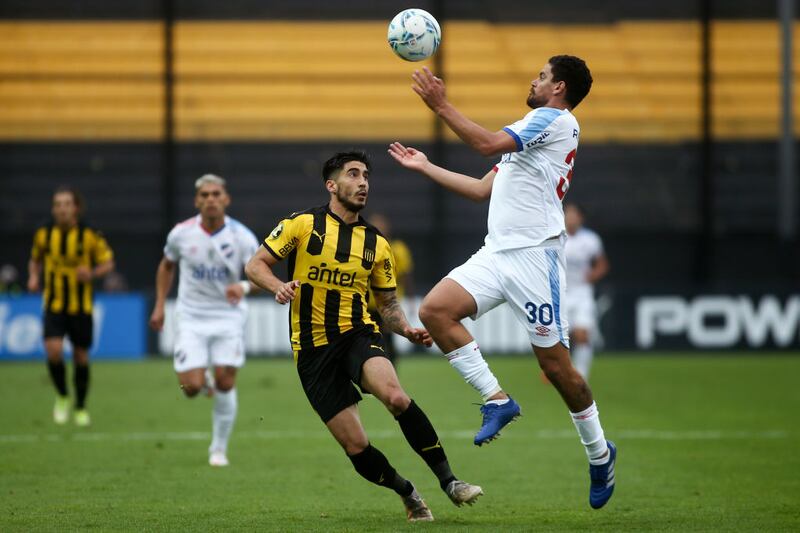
77,197
340,159
574,72
577,206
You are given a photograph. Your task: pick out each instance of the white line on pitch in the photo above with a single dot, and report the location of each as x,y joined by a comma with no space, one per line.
544,434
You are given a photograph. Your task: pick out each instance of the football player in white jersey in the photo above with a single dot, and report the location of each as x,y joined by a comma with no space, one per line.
522,260
586,265
212,250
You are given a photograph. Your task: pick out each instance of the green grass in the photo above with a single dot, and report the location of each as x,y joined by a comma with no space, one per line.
705,443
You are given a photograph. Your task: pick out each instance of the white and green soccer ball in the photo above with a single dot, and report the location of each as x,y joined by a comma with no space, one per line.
414,34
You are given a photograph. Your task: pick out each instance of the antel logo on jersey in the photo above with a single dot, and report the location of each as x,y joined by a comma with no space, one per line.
718,321
332,277
539,139
210,273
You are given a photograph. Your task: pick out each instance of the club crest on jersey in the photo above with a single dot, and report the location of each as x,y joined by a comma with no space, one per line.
276,232
369,256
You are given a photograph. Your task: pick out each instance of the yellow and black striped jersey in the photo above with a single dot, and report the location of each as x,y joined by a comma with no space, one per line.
337,263
62,251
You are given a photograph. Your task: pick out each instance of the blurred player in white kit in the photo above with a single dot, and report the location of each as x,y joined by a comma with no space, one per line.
586,265
212,250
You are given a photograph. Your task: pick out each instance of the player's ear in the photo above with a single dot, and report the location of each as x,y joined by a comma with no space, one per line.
330,184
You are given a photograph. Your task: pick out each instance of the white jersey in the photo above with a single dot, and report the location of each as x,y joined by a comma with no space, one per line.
209,262
581,250
525,208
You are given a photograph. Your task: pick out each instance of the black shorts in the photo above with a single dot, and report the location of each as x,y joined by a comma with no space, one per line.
328,373
77,327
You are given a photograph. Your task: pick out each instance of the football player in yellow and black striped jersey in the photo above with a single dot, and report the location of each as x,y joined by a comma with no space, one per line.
72,255
335,257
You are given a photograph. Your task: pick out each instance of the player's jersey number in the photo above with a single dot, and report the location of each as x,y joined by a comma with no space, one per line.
564,183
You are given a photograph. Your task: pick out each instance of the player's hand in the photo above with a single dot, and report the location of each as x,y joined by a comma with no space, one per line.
157,319
410,158
418,336
234,293
33,284
285,293
83,273
430,88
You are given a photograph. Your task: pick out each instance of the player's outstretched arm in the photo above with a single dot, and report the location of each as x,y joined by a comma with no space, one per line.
432,91
259,272
395,319
477,190
164,278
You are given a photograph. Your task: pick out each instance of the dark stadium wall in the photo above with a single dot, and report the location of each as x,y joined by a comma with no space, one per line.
641,198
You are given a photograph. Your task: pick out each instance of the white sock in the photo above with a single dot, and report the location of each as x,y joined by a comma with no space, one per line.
582,358
587,422
222,418
469,362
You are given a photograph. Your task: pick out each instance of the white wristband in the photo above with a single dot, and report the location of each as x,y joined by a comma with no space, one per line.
245,286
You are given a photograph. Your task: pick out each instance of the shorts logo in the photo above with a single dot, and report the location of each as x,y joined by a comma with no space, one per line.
542,331
180,356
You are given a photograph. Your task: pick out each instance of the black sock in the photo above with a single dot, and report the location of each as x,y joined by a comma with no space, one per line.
421,435
374,466
81,385
58,376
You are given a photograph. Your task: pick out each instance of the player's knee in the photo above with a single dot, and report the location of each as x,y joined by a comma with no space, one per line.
225,383
191,389
397,401
356,445
579,336
431,312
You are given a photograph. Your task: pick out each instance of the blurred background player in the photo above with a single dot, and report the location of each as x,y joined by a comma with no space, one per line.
73,254
403,269
211,249
522,261
335,257
586,265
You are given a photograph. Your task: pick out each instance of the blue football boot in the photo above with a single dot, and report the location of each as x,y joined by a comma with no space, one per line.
602,486
495,418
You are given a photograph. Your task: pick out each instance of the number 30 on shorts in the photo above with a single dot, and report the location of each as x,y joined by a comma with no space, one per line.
544,313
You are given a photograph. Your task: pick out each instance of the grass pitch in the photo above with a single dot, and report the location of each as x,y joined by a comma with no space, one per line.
705,443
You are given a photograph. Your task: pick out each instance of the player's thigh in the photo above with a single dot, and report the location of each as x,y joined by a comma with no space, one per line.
191,347
225,377
347,429
378,377
54,329
534,282
581,316
226,345
80,330
469,290
325,382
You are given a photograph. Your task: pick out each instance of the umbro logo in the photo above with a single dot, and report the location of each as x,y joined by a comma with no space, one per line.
542,331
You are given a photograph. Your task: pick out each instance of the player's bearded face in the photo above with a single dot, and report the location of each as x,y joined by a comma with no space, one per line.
352,187
541,88
65,211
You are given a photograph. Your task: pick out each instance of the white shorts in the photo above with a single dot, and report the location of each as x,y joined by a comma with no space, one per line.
203,342
532,281
581,310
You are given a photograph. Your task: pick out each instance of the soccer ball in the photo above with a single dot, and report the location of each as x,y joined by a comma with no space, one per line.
414,34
